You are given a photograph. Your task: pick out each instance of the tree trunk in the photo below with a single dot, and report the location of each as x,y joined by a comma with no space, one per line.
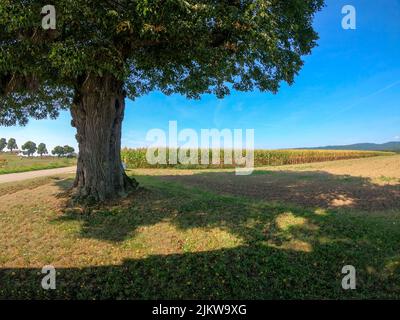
97,114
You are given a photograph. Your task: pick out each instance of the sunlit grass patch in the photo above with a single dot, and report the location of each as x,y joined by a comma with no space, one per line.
11,163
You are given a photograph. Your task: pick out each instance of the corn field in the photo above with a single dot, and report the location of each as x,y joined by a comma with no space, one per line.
136,158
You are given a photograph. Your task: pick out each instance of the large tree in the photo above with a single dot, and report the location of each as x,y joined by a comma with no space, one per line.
58,151
3,144
68,151
42,149
12,144
103,51
29,148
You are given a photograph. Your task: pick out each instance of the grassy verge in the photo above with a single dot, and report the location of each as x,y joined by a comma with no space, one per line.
10,163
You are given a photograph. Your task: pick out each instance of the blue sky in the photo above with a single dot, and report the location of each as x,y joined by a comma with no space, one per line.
347,92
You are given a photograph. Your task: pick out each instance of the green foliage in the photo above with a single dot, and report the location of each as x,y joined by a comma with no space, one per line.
58,151
12,144
29,148
66,151
3,144
42,149
12,163
187,47
136,158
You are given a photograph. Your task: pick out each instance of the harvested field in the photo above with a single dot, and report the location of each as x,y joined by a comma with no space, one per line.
371,185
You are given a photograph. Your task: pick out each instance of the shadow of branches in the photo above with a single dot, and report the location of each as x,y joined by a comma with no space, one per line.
289,249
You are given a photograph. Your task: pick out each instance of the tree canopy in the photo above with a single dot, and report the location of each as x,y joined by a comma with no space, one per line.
175,46
3,144
42,149
58,151
29,148
68,151
65,151
12,144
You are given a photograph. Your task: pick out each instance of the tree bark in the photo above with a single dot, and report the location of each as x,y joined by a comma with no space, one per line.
97,114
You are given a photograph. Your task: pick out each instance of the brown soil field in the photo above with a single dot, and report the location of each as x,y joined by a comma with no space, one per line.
367,184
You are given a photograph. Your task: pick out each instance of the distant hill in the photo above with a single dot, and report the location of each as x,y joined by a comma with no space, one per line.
388,146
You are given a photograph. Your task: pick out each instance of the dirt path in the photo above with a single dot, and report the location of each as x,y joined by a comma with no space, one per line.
34,174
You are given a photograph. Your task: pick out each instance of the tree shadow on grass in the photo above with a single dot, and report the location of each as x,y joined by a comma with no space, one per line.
245,272
307,189
284,223
244,206
289,251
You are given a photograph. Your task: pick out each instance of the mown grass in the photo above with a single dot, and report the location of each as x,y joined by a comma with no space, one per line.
172,241
11,163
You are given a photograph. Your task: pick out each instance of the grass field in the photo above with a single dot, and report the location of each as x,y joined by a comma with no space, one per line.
11,163
284,232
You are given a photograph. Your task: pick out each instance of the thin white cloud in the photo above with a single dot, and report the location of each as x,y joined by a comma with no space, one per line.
362,99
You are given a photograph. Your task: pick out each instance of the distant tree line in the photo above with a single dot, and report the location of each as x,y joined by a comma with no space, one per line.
29,148
11,144
65,151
